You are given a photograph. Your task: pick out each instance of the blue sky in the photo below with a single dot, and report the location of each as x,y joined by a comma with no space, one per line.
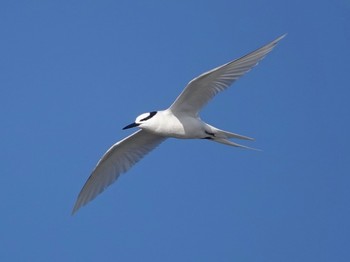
73,73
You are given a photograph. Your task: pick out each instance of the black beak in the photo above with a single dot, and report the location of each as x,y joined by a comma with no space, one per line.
131,126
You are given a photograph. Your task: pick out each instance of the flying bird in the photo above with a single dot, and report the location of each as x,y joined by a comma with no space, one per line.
180,120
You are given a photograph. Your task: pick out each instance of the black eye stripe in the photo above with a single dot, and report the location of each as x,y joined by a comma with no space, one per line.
151,114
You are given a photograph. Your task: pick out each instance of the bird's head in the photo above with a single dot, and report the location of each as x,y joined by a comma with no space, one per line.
141,120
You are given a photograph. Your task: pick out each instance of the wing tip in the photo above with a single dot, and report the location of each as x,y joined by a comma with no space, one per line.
76,207
281,37
274,42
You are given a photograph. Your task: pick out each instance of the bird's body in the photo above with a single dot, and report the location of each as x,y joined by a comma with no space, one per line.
166,124
180,120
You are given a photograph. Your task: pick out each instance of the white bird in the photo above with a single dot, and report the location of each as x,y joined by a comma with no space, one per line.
180,120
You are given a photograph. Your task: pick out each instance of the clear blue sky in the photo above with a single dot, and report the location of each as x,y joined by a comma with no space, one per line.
73,73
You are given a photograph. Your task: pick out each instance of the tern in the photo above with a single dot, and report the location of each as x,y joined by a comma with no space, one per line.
180,120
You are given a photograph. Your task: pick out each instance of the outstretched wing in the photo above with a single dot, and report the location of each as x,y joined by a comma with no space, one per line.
200,90
117,160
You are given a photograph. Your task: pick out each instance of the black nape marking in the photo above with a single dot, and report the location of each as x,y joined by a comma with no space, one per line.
151,114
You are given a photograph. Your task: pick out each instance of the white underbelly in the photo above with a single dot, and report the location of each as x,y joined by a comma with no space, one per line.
185,128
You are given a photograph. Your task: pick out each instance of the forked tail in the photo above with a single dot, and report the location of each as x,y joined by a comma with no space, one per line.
222,137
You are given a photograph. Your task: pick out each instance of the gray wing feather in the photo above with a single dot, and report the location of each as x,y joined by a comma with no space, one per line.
200,90
117,160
